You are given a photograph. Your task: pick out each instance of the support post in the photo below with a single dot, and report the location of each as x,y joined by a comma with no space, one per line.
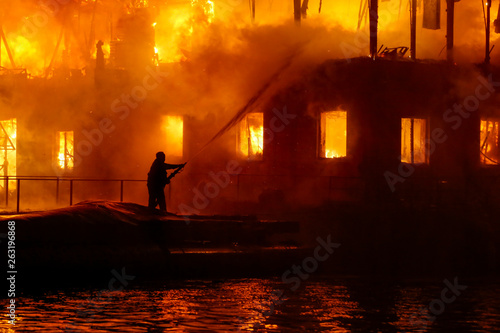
7,191
253,10
71,192
57,191
412,140
18,193
121,190
413,43
450,17
373,28
296,11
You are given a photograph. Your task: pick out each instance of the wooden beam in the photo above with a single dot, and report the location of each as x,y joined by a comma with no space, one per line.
61,34
11,58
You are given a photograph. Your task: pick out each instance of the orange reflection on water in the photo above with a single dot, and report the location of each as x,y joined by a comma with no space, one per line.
336,306
231,305
407,307
5,326
255,303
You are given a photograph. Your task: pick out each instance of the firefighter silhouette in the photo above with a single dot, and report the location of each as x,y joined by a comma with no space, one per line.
158,179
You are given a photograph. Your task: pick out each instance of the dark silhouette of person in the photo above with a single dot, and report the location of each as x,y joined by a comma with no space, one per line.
157,180
99,58
99,65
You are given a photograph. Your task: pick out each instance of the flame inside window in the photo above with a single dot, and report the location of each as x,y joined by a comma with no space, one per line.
413,136
251,139
333,134
489,142
65,155
8,134
173,126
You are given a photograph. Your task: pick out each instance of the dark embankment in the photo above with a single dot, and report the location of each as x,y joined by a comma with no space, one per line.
84,243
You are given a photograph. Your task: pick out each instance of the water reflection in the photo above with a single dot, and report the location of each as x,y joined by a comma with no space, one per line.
264,305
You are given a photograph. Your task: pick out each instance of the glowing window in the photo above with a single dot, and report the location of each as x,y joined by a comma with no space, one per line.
333,134
8,134
173,126
251,138
413,136
490,151
65,157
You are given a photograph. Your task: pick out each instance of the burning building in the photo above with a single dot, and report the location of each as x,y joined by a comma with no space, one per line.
267,112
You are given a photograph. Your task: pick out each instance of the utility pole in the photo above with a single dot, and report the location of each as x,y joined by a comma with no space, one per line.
450,17
252,8
373,28
296,11
413,37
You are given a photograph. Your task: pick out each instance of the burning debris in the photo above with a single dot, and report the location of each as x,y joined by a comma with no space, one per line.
490,152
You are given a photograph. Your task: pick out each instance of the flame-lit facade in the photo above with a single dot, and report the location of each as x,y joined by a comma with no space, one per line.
350,129
8,144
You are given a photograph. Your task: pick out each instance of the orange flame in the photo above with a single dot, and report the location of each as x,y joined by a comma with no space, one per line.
66,148
173,126
334,134
252,135
207,6
489,142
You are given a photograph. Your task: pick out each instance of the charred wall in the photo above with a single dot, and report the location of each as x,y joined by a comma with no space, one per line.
377,95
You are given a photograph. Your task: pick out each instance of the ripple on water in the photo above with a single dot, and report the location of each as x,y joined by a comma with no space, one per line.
330,305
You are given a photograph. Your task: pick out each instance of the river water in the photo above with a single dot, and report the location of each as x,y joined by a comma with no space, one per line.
316,304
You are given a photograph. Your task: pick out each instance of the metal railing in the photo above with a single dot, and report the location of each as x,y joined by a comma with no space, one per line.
246,187
59,180
242,185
